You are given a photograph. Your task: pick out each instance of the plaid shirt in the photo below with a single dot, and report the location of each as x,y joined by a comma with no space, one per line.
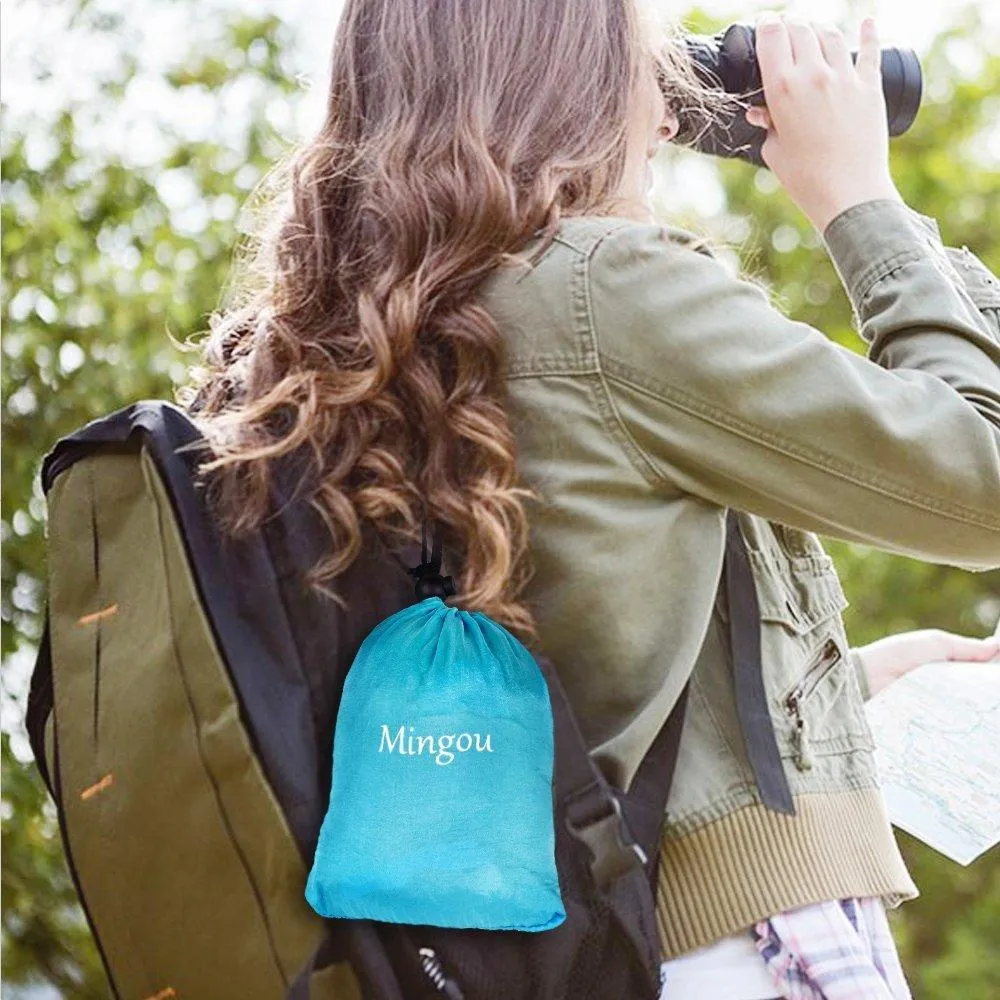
832,951
827,951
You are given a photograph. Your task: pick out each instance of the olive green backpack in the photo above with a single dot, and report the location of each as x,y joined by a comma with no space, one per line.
189,874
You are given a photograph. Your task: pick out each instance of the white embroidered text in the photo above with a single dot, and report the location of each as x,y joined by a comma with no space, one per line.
441,749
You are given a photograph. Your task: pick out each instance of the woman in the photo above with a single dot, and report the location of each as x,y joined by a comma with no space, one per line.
464,305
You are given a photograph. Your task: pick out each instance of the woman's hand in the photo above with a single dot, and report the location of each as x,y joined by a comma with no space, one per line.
888,659
827,133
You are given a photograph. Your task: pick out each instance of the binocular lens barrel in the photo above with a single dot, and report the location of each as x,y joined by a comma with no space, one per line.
728,61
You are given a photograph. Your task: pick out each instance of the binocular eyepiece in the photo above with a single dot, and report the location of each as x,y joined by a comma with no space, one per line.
728,61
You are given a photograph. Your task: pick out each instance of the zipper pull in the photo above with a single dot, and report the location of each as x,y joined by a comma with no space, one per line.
803,757
434,972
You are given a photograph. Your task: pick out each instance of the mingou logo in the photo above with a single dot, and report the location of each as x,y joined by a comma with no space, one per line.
439,747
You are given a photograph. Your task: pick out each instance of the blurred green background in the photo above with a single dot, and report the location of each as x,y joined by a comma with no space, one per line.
118,231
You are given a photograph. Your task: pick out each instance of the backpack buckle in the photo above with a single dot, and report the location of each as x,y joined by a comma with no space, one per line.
603,830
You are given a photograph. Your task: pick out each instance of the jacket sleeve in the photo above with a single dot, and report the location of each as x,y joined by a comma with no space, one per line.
717,393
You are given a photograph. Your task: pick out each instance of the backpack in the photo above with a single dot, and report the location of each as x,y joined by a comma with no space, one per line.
181,713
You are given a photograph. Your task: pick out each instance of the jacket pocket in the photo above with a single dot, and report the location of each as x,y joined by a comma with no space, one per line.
799,593
795,700
816,705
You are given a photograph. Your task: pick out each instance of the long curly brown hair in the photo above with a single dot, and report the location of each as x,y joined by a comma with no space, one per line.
455,131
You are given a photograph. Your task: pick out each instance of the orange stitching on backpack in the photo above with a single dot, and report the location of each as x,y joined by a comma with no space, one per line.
98,615
163,994
97,787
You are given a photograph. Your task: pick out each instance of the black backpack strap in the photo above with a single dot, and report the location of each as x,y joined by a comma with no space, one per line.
646,800
748,674
645,803
592,811
369,961
592,806
40,705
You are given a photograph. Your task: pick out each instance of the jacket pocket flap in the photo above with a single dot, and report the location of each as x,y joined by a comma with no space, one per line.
799,592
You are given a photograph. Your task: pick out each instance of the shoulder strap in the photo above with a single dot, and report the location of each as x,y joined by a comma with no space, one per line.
645,803
748,673
646,800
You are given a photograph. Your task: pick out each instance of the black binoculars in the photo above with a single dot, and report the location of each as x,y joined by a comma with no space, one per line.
728,61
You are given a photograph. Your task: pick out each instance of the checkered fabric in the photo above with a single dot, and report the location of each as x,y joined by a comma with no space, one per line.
832,951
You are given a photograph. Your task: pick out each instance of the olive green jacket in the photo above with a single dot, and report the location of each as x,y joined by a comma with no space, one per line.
651,389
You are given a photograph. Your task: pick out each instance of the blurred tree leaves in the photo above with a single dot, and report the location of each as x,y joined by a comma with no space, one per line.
104,262
45,935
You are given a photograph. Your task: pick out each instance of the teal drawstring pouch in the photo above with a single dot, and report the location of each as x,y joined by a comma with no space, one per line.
441,806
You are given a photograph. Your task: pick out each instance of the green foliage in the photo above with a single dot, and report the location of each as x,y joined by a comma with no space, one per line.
45,936
103,266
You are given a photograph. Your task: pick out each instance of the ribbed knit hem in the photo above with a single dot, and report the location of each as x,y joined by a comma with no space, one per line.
754,863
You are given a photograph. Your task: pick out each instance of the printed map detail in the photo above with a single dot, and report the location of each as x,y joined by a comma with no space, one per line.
937,732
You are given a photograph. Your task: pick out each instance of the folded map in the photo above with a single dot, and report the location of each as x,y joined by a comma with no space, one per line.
937,735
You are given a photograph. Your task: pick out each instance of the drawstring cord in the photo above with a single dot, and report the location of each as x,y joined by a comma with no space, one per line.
429,581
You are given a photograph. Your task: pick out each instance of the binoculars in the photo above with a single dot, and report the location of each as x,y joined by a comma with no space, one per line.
728,61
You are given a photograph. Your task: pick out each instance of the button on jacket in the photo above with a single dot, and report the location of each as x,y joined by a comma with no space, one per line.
650,390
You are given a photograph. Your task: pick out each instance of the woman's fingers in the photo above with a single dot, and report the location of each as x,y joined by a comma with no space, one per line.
785,41
774,49
828,140
835,51
961,648
760,117
888,659
869,63
806,52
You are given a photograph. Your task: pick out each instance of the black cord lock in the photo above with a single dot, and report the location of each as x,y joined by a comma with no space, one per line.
430,582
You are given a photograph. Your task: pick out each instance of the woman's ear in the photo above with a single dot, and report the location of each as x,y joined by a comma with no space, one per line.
668,127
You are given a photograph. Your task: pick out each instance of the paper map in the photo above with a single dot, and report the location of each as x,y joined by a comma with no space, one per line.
937,734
